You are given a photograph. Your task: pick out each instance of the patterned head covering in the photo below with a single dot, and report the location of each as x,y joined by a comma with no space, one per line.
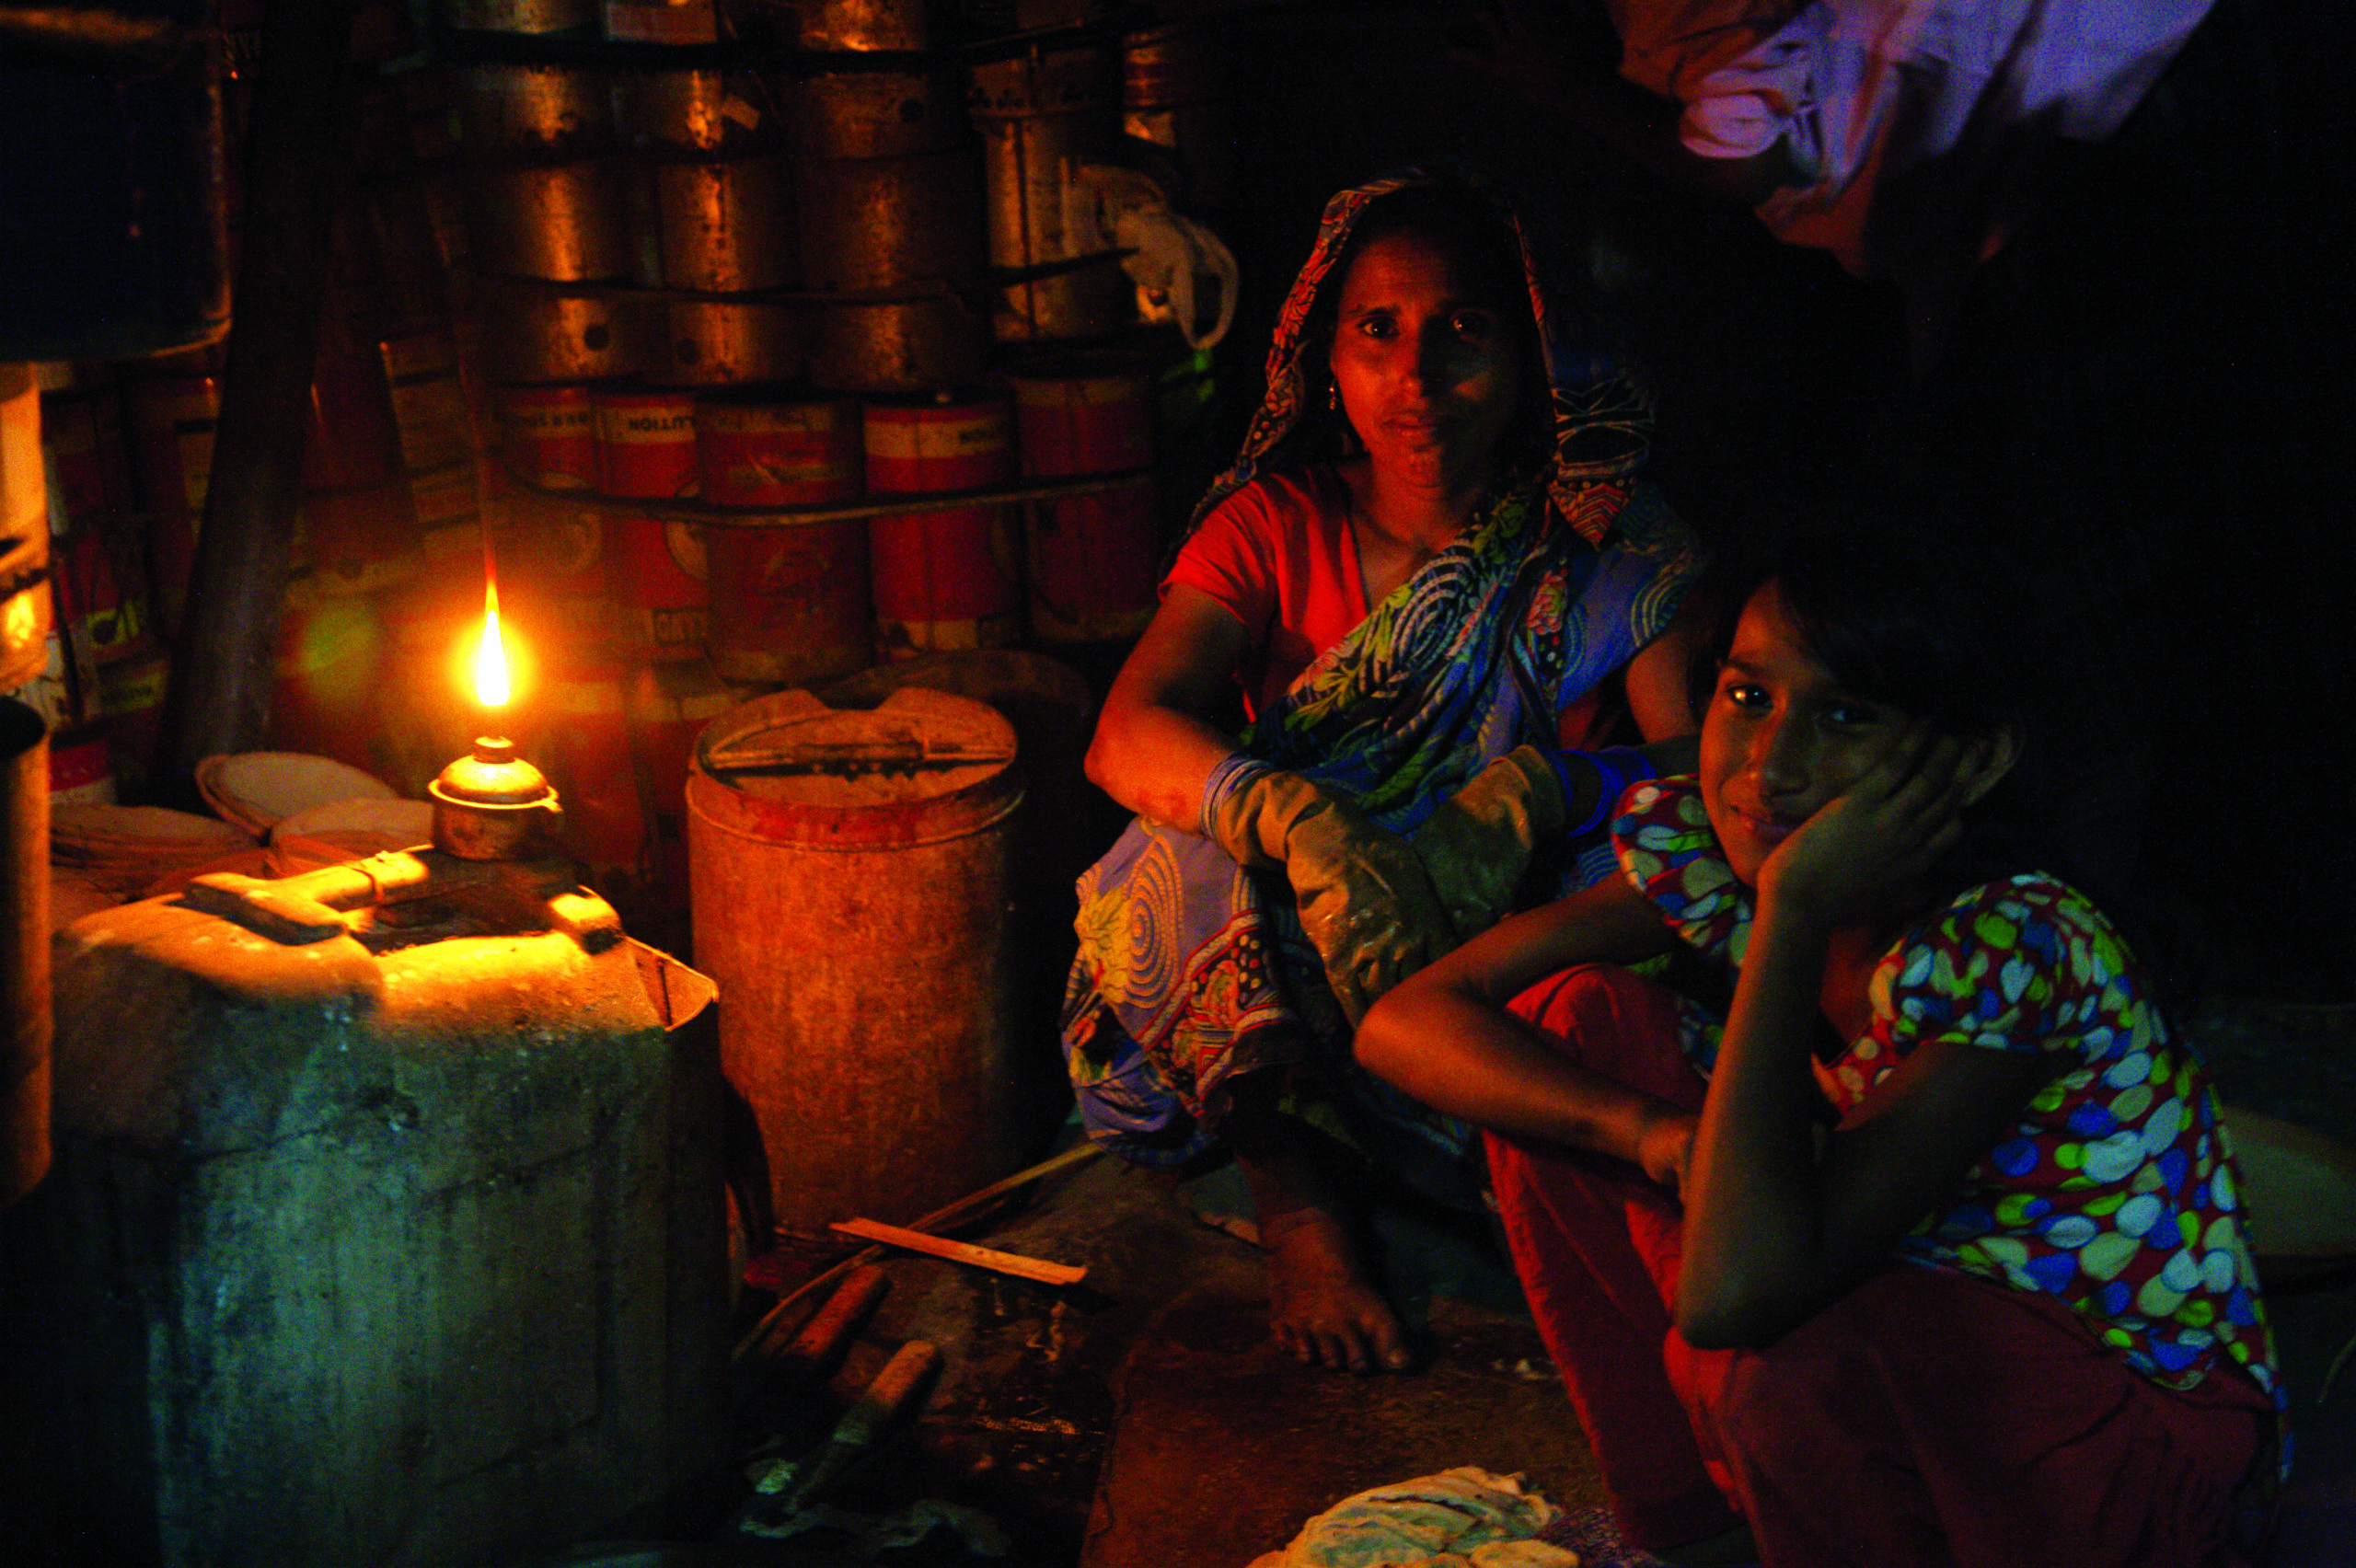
1602,419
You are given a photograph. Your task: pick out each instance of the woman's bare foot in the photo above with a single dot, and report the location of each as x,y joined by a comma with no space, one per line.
1321,1306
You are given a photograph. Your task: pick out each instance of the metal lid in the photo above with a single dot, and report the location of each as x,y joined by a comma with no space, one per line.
921,767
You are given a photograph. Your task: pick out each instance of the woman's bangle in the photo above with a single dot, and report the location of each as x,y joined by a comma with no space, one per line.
1615,768
1233,772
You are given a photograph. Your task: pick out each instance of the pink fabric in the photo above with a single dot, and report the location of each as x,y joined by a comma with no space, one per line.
1924,1418
1279,555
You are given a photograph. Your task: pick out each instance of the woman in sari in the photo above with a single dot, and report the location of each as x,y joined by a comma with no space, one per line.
1431,571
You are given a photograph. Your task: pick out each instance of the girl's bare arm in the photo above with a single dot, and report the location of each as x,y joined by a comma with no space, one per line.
1444,1036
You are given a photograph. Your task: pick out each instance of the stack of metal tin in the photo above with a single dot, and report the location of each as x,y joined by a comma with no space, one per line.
891,192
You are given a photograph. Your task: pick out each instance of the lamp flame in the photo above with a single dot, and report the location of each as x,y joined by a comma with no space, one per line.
491,658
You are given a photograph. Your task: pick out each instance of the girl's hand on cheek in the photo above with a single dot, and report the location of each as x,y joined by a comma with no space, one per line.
1887,830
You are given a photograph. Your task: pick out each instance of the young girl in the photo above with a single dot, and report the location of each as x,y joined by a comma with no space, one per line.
1930,1250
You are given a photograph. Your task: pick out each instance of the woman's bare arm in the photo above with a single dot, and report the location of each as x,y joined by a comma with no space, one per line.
1152,751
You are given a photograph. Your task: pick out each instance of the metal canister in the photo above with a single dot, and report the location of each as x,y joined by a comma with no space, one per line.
548,435
561,221
900,27
728,342
1041,115
1172,95
881,224
1092,561
646,442
721,225
536,17
534,334
948,579
675,23
852,874
920,341
663,586
754,449
701,111
534,108
879,112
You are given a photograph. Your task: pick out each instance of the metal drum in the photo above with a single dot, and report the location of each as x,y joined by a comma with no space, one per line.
1041,117
548,435
916,342
1093,561
532,334
725,342
675,23
519,16
902,27
663,585
510,108
851,874
709,112
566,223
1172,95
883,222
646,442
949,579
721,225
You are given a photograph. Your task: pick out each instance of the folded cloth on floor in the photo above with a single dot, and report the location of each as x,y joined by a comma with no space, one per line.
1460,1519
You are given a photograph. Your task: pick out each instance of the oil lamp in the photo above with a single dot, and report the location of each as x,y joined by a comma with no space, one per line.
491,804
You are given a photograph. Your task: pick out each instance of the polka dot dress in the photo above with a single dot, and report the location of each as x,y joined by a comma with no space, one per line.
2116,1192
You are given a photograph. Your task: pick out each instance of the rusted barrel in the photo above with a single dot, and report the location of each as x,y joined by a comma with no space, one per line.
1041,115
789,599
533,333
646,442
947,578
890,185
865,25
1092,561
548,435
1172,95
662,585
24,950
851,874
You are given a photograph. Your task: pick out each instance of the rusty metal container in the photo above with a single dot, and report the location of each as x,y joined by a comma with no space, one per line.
951,579
728,342
709,110
519,16
884,222
879,113
852,877
418,1252
564,222
532,334
902,27
1093,562
1042,115
673,23
1174,96
534,108
920,342
24,949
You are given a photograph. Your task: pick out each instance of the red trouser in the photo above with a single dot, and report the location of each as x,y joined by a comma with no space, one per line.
1924,1418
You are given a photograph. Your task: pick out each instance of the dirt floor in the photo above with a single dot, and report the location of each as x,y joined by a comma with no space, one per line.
1140,1417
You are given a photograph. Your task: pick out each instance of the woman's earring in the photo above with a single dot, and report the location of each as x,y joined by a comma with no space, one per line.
1333,397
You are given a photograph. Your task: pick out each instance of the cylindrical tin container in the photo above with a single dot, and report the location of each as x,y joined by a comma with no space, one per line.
900,27
790,602
878,114
1093,564
519,16
1041,117
549,435
563,223
721,225
431,1269
676,23
23,952
923,343
1080,416
1065,825
723,342
706,111
542,335
661,583
537,109
1172,96
948,579
755,450
646,442
883,222
851,876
